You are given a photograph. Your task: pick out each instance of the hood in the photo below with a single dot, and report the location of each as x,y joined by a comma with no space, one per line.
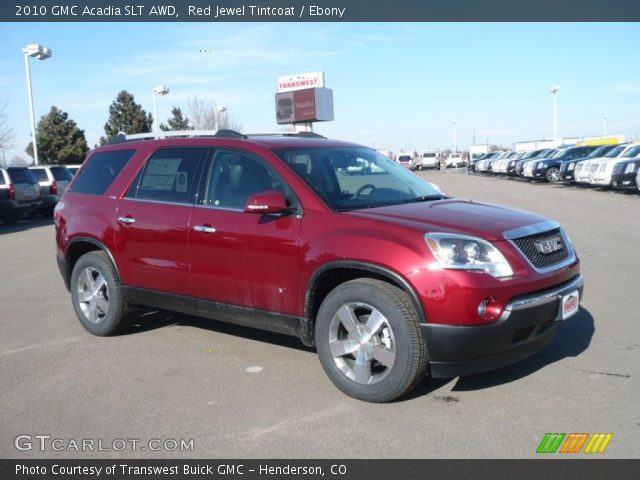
453,215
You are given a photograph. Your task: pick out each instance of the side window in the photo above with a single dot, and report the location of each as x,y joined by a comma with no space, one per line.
100,172
40,174
170,175
235,176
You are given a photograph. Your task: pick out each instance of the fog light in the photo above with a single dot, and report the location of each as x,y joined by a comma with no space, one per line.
488,309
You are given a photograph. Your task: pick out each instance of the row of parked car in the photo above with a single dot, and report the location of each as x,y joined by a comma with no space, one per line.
614,166
28,191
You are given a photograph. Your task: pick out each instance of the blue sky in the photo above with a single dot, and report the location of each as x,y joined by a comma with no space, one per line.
396,86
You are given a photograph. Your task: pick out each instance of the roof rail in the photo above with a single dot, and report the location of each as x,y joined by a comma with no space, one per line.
122,137
286,134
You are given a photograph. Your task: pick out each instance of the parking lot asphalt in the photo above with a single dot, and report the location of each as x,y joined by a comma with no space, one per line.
243,393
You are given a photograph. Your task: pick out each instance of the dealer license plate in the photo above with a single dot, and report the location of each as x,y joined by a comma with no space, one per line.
570,304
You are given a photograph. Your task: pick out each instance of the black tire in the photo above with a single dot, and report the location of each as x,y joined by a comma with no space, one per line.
116,320
399,336
552,175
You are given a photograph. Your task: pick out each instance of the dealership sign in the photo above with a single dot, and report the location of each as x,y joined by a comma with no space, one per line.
302,106
301,81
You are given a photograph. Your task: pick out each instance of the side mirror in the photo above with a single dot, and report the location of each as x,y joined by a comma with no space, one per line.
271,202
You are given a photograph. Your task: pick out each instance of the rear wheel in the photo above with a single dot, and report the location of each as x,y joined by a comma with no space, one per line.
552,175
369,342
97,295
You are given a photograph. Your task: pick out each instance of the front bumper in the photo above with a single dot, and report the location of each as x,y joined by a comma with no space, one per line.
624,180
526,326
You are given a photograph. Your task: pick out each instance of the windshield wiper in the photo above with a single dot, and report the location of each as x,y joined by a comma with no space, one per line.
426,198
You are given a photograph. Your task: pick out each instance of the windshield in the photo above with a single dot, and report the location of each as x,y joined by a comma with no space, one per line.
349,178
548,153
616,151
632,152
404,158
21,175
428,155
600,151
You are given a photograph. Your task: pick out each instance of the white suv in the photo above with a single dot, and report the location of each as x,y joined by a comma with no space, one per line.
428,159
454,160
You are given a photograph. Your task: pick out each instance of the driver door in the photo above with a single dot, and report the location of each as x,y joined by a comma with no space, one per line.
246,259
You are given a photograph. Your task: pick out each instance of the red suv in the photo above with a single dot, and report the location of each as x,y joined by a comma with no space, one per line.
325,240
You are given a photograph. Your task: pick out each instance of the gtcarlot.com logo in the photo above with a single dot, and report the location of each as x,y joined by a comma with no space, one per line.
574,443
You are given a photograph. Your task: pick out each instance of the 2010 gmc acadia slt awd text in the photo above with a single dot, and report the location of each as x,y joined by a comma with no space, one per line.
384,274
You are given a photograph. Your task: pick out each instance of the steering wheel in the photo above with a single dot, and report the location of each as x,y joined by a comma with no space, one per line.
363,188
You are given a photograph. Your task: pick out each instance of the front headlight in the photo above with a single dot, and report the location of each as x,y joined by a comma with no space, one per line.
540,166
572,166
630,168
463,252
617,168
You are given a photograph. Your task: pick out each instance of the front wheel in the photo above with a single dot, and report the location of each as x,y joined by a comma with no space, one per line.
97,295
369,341
552,175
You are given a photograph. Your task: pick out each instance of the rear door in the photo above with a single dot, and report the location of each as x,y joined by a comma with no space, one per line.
25,184
153,221
246,259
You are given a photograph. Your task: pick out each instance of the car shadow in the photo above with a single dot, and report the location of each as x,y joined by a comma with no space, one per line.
573,337
148,319
24,225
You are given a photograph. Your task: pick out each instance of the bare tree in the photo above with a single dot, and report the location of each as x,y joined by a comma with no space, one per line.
6,132
17,161
202,115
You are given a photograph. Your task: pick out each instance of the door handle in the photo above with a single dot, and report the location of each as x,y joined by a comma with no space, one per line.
127,220
204,229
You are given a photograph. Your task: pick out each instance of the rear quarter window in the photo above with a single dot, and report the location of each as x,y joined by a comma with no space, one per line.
40,174
100,172
21,175
61,174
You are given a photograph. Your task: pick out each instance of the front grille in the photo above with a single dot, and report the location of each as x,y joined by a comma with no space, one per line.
527,246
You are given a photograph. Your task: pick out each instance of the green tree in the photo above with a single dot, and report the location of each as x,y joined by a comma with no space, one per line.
60,140
125,115
176,122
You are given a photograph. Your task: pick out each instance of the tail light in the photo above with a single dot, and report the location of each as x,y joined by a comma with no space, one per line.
11,192
53,189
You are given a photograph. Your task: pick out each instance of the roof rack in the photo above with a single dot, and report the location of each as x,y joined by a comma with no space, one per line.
122,137
286,134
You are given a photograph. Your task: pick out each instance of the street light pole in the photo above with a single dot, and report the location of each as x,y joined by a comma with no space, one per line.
217,112
604,125
41,53
158,90
455,142
554,91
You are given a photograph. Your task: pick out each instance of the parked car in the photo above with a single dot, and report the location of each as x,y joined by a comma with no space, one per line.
454,160
549,168
484,165
428,159
73,168
519,166
500,166
603,170
471,165
568,167
623,176
404,159
53,180
384,274
19,194
585,168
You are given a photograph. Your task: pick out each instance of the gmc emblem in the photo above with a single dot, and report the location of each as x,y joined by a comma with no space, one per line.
549,245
